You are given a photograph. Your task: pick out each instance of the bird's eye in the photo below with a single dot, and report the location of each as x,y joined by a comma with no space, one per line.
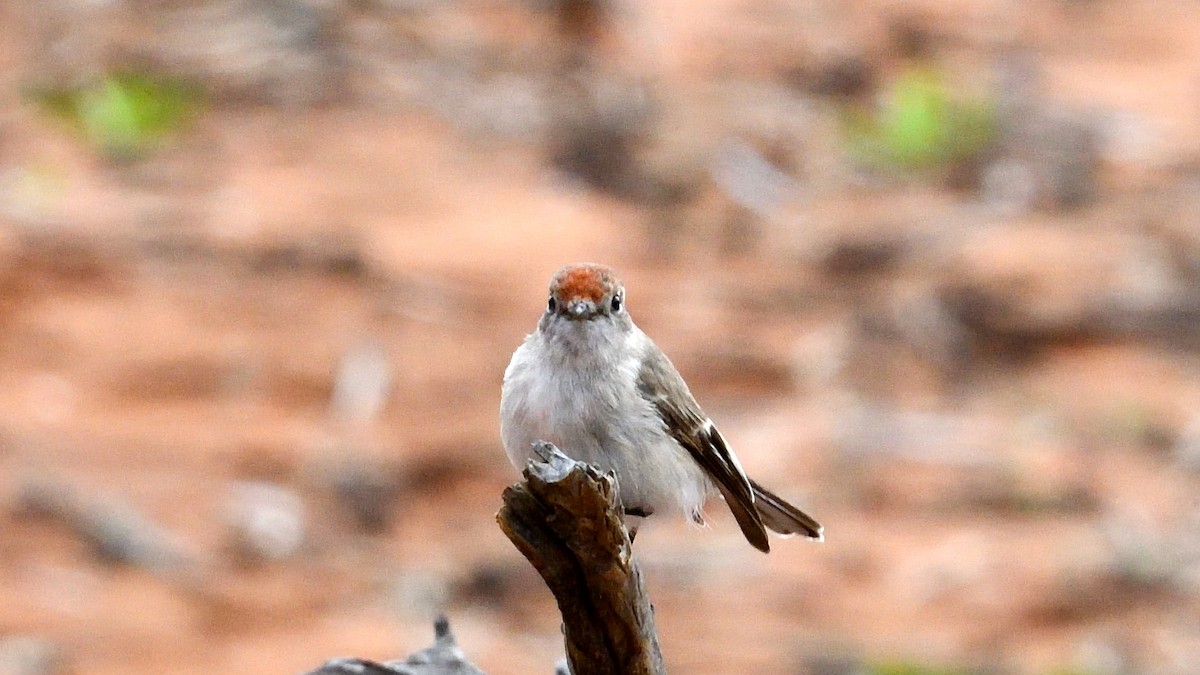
616,302
551,305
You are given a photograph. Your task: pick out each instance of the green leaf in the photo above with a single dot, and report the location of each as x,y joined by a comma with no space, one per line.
123,115
920,126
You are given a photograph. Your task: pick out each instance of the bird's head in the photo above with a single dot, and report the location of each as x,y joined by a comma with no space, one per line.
588,296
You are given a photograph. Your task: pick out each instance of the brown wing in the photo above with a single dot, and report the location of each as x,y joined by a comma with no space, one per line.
662,385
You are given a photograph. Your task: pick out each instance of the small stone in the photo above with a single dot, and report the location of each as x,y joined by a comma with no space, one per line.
1187,446
266,522
30,655
363,383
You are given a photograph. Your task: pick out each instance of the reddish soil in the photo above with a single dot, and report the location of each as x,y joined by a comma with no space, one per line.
175,326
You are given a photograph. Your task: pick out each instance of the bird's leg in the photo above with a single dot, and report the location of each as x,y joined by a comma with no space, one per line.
634,518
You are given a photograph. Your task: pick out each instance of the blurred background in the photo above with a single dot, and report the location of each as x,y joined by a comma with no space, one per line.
933,267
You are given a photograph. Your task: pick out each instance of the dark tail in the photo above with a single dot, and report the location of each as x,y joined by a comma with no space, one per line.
748,518
783,518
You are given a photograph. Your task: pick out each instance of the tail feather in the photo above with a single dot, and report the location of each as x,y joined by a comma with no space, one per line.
748,519
783,518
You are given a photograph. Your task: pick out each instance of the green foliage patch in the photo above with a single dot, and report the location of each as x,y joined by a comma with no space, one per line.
124,116
921,125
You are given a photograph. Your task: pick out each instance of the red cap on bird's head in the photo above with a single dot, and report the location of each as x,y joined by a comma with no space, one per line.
585,291
583,281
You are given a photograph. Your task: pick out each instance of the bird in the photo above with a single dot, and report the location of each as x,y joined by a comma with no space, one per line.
589,381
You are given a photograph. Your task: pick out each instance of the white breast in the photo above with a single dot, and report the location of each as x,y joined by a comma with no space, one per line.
591,409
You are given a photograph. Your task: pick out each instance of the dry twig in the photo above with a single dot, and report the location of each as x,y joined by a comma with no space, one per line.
565,519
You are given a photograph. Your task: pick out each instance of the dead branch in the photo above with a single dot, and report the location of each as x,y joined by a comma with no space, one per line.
565,519
444,657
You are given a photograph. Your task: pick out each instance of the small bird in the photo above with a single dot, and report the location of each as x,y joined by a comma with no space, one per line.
592,383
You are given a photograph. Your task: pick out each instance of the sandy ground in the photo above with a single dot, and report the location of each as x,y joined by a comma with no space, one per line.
1020,499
